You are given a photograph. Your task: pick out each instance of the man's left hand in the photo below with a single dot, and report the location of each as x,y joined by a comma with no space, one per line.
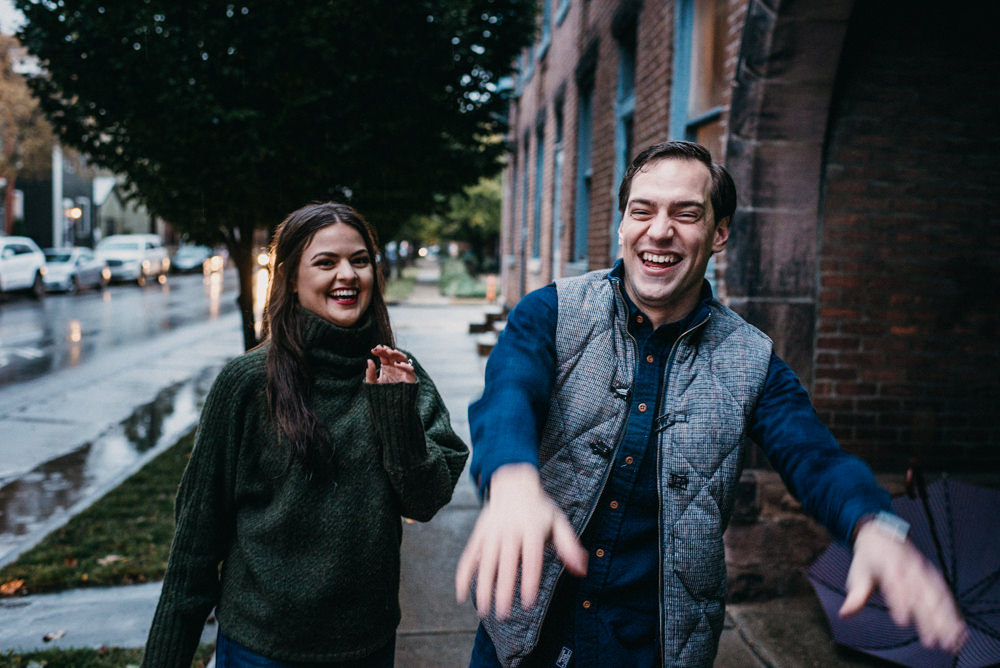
912,588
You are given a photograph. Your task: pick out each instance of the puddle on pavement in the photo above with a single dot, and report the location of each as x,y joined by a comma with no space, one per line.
44,498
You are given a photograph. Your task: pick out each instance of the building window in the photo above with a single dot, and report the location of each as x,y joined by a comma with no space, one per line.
624,115
510,223
584,172
699,76
546,37
536,232
525,163
561,11
699,80
557,186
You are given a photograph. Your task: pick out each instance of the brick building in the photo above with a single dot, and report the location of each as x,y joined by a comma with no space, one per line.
860,135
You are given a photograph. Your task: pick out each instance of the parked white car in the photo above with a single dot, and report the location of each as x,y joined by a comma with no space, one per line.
135,257
73,269
22,266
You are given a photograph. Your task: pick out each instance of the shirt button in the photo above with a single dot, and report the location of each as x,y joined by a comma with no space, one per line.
639,319
600,553
649,358
614,505
586,605
642,408
629,461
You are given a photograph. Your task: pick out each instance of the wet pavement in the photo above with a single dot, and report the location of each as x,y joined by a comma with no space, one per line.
69,436
63,331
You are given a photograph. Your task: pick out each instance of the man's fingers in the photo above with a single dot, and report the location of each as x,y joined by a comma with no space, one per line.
486,574
859,588
506,580
568,546
466,566
532,556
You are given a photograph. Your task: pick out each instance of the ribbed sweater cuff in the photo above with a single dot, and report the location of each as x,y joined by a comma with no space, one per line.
394,413
172,644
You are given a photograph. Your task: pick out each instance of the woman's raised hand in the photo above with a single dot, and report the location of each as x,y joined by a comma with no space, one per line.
395,367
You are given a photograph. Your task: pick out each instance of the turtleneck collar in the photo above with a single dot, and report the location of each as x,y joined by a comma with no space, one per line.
337,348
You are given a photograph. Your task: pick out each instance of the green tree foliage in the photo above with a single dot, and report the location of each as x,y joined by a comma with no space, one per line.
472,216
226,116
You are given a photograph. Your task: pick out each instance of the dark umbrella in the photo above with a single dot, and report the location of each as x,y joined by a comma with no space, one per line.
957,527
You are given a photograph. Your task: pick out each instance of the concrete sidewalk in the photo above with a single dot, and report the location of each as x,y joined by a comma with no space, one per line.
435,632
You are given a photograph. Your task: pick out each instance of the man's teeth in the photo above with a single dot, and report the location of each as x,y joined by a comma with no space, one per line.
660,259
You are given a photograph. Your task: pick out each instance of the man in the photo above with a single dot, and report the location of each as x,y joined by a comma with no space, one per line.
613,425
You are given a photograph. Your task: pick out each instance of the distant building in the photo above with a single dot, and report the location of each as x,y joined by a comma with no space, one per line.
117,215
59,211
861,138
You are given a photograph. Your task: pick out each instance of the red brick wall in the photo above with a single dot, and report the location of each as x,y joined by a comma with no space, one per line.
906,360
588,22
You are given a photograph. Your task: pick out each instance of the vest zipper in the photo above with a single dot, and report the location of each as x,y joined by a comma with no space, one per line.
600,491
659,486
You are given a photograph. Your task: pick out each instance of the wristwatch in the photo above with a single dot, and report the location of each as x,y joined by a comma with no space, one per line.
892,526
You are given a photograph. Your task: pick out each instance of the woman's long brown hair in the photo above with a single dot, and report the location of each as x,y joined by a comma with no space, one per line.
289,383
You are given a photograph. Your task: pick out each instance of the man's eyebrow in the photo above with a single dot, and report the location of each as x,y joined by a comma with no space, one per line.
685,203
694,202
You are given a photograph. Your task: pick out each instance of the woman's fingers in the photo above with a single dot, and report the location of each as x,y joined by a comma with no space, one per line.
395,366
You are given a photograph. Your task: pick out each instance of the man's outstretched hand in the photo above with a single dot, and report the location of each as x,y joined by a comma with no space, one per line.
511,532
912,588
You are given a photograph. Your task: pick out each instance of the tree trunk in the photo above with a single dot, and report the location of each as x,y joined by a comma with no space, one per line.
8,203
241,249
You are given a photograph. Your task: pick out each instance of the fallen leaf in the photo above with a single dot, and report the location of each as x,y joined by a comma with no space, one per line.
10,588
55,635
110,559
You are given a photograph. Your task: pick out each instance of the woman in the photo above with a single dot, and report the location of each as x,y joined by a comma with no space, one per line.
310,449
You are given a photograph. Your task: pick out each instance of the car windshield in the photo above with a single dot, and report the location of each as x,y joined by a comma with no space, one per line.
119,245
57,257
193,251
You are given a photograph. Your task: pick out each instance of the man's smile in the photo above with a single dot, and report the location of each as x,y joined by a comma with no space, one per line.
656,261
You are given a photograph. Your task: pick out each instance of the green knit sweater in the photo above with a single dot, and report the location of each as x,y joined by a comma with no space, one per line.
309,568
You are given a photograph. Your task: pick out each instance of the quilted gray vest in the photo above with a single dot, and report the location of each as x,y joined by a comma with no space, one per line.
716,374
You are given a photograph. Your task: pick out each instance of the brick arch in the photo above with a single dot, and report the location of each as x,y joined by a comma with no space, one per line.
782,91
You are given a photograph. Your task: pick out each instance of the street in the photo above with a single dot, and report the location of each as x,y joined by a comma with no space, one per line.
65,330
93,385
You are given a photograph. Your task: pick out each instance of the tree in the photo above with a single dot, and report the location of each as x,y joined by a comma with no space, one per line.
225,116
25,136
471,216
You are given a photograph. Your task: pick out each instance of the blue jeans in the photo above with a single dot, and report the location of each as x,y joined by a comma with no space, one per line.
231,654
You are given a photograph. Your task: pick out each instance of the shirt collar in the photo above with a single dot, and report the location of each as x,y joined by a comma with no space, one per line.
700,311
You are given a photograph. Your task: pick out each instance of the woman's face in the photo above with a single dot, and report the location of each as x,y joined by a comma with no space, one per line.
336,275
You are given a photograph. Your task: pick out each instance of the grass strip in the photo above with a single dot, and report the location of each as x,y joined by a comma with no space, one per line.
399,288
89,658
123,538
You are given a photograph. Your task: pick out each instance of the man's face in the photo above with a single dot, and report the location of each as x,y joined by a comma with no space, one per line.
667,235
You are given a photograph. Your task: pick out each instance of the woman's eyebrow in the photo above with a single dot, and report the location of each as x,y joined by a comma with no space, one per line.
327,253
